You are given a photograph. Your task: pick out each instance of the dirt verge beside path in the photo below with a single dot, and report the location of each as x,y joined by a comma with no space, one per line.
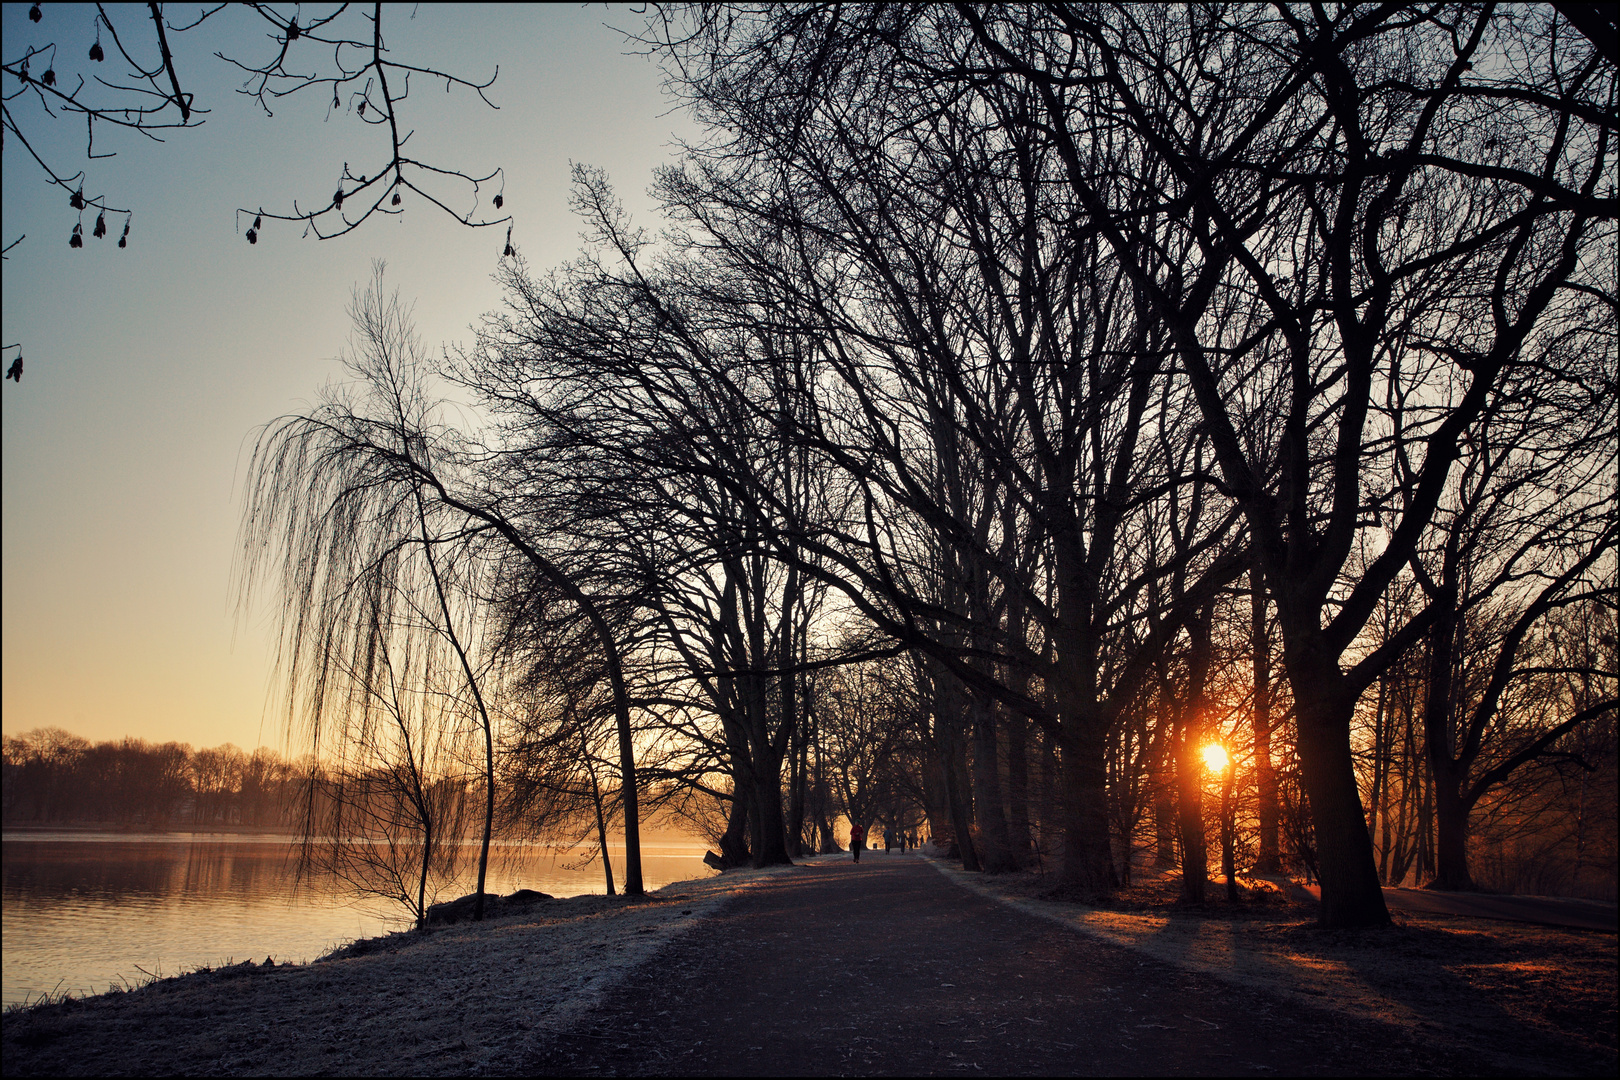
1527,998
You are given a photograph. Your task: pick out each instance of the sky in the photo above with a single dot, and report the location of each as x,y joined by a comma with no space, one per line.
148,370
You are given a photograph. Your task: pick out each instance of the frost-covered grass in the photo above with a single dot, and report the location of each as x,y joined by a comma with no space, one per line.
472,997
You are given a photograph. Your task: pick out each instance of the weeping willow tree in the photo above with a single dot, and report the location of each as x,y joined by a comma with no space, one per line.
379,626
388,810
358,516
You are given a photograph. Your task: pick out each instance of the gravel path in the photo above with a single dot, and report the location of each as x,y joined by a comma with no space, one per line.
885,967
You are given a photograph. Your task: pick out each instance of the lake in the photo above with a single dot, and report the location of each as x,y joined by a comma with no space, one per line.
80,911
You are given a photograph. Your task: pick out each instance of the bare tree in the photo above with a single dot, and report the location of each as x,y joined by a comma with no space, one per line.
983,376
388,807
362,77
1419,243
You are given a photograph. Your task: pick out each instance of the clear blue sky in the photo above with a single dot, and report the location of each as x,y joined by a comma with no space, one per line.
148,369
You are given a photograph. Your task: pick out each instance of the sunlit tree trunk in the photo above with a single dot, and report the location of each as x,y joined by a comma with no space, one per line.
1229,830
1190,814
1265,773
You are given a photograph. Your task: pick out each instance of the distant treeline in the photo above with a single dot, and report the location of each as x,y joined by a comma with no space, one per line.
54,777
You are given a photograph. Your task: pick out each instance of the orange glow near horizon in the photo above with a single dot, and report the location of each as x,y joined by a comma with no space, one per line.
1215,759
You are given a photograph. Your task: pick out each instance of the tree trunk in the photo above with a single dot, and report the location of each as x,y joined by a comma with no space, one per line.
1164,823
421,881
1051,791
998,857
1229,830
768,830
1190,815
1451,811
956,796
1015,724
734,842
483,713
601,831
936,804
797,758
1265,774
1449,767
1351,894
1088,860
1018,837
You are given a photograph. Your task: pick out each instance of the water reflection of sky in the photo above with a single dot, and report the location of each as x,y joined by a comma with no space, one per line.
82,911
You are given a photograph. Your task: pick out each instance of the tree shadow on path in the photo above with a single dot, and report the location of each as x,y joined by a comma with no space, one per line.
886,968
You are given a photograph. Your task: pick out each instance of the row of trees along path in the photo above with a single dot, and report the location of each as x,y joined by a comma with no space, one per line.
885,967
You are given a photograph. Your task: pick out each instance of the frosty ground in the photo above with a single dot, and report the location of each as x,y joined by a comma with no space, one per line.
885,967
468,997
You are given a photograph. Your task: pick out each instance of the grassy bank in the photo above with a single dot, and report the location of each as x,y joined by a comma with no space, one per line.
454,1000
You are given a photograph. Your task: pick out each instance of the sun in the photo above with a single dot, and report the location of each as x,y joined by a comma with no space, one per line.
1215,758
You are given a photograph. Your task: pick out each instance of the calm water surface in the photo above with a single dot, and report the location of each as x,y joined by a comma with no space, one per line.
82,911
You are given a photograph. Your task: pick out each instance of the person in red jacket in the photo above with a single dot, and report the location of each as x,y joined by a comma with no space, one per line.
857,839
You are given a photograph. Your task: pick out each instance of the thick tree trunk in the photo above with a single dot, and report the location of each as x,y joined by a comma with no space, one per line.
1051,792
937,807
1451,812
767,827
767,831
821,821
734,843
1016,725
957,796
997,856
1018,835
1088,860
1190,817
1449,768
1351,894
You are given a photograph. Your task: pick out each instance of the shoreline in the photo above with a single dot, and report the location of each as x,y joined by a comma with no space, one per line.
127,829
468,997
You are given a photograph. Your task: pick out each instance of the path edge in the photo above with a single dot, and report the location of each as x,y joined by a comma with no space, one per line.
563,1019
